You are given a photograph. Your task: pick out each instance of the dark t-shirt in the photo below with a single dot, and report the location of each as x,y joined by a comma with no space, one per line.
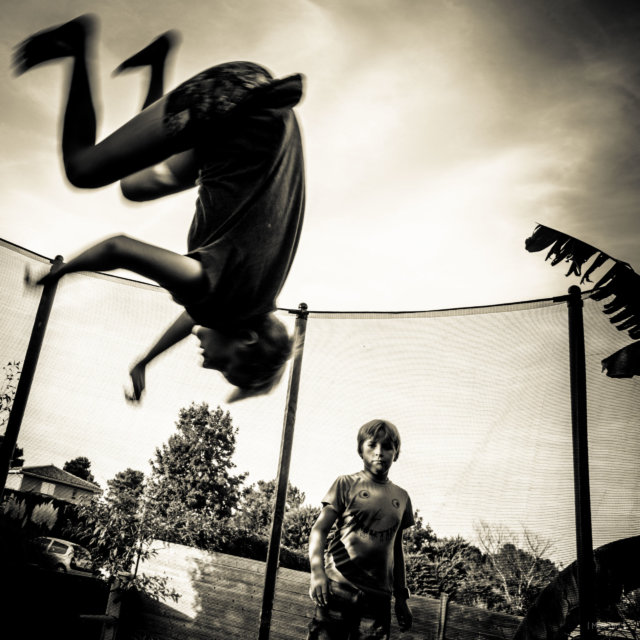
250,204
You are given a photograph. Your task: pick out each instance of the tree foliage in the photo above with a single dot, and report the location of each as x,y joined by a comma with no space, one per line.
17,459
193,470
8,387
125,489
297,527
419,538
80,467
194,497
118,531
518,564
505,572
255,513
256,506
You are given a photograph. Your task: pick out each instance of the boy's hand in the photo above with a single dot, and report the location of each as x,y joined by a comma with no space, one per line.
319,589
404,615
137,374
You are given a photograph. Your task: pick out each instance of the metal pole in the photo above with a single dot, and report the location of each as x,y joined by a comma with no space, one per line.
26,377
273,553
586,566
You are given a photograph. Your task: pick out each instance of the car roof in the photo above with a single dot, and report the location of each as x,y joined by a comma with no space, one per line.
54,539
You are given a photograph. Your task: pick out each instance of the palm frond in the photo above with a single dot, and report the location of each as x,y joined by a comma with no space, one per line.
620,286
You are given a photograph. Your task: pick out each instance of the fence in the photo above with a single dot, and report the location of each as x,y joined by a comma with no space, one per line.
221,598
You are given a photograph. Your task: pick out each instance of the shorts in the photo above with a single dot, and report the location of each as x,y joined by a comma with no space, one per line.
350,614
208,98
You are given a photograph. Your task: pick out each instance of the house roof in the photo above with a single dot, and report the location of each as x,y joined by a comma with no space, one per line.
51,472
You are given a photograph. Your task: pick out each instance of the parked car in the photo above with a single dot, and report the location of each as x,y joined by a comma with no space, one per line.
62,555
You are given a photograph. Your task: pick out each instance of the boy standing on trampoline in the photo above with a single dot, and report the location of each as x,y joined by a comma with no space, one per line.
363,565
231,131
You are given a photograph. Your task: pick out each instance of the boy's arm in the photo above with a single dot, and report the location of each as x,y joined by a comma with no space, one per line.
318,591
400,591
176,332
177,173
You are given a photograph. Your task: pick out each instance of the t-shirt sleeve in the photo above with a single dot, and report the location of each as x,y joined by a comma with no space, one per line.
335,497
407,517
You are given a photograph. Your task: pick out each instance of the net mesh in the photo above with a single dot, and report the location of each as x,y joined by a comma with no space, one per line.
481,398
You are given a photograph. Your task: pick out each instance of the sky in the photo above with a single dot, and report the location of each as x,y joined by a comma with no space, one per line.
437,134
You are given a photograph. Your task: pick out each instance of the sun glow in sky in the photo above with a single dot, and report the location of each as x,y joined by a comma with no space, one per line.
436,134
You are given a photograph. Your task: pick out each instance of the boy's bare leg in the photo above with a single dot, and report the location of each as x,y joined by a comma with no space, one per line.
155,57
140,143
70,40
180,275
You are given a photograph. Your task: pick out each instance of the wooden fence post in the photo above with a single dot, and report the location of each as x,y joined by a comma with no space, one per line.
111,617
442,618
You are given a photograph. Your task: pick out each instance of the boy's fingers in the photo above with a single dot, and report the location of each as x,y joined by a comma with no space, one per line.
319,596
405,618
405,623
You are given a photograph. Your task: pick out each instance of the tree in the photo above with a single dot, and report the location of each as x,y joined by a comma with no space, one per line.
12,371
453,559
118,532
500,575
80,467
125,490
8,388
193,470
517,561
419,538
438,565
256,507
297,526
255,513
17,459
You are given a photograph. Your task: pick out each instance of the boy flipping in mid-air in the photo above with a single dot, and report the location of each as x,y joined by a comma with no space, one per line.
229,130
363,565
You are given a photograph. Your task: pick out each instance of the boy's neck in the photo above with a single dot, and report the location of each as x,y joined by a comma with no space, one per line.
376,478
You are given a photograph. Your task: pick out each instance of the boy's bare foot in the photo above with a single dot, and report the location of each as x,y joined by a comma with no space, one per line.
64,40
154,54
33,281
28,279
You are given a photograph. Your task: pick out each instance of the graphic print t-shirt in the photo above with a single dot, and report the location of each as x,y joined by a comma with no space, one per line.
370,514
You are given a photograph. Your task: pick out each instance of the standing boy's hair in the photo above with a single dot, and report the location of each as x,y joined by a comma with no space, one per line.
379,430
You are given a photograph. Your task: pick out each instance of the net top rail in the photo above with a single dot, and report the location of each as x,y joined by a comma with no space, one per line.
342,315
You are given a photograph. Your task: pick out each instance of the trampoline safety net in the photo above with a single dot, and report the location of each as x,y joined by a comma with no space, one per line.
481,397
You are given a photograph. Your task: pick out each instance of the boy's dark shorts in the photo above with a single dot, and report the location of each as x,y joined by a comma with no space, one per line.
350,614
200,102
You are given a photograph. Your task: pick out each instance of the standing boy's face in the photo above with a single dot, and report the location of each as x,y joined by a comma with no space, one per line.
378,456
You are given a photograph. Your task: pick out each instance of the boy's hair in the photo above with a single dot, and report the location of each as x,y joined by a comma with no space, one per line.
262,363
379,430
